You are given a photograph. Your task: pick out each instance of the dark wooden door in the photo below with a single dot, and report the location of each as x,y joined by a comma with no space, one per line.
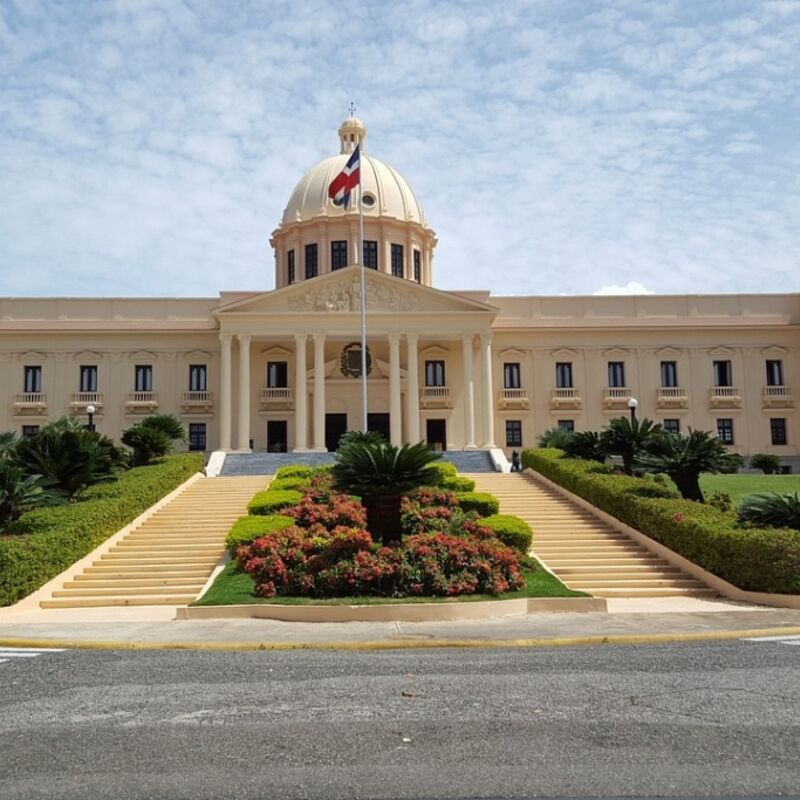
380,424
436,433
277,436
335,428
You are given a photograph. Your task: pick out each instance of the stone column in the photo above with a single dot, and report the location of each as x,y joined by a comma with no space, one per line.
395,413
469,394
319,392
300,407
488,399
412,390
225,392
244,391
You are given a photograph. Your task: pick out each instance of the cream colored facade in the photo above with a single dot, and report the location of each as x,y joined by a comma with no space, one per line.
274,370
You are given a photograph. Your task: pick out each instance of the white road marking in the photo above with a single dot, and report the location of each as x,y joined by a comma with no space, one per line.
780,639
9,653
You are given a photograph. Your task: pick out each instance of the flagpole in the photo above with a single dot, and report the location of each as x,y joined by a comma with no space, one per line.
361,260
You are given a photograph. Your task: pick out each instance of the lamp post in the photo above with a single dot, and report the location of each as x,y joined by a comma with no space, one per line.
90,409
633,404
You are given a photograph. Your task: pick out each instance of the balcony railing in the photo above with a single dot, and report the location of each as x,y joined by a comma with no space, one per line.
142,401
672,397
513,398
434,396
778,397
616,397
82,399
30,401
276,395
197,401
725,397
566,398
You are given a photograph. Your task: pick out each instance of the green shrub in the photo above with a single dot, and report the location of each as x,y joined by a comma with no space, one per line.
458,483
268,502
768,463
443,470
51,539
555,437
720,500
755,559
484,503
246,529
510,530
299,471
772,508
282,484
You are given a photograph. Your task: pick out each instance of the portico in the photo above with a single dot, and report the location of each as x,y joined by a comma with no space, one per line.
406,323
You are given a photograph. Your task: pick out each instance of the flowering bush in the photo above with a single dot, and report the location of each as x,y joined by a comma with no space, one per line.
329,509
428,510
345,562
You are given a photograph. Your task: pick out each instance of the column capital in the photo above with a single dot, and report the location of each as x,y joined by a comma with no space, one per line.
226,338
412,338
301,338
318,337
244,338
394,338
486,339
467,339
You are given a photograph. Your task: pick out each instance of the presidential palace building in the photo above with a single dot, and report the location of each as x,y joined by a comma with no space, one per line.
281,370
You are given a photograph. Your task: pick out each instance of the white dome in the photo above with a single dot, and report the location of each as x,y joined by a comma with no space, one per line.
391,195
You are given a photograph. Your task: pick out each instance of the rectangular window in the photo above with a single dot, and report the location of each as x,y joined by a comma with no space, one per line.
277,375
434,373
198,378
774,373
397,260
671,425
725,430
371,255
29,430
88,379
564,375
339,254
722,374
33,379
417,267
312,263
616,374
143,374
511,376
566,424
513,433
290,277
197,436
777,429
669,374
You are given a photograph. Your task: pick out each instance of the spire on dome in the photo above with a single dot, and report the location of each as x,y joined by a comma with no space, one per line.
352,132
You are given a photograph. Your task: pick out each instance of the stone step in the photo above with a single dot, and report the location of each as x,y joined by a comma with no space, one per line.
127,591
654,592
98,602
131,573
122,584
634,583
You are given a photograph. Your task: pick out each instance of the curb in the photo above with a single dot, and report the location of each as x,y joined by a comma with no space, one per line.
408,644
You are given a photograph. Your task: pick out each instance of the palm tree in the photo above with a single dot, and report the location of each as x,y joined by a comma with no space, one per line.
684,458
772,508
8,441
168,424
587,445
629,439
555,437
381,474
147,443
20,492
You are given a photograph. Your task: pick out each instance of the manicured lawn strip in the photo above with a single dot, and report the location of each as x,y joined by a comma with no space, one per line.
233,588
755,559
51,539
739,486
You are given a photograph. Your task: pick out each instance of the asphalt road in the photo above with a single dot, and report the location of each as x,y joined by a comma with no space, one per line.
667,720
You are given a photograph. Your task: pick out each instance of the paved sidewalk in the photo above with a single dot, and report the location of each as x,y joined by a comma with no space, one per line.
131,627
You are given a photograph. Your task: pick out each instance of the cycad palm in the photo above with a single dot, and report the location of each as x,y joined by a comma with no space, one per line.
772,508
380,474
629,439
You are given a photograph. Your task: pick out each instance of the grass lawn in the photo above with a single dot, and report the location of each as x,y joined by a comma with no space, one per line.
233,588
737,486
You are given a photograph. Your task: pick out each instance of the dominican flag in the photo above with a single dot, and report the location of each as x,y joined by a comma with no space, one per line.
346,180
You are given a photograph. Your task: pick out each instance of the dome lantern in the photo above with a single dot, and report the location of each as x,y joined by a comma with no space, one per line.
352,132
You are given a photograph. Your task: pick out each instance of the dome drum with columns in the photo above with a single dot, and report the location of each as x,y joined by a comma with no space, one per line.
317,236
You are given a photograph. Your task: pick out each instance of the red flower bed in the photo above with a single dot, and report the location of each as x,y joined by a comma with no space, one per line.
328,552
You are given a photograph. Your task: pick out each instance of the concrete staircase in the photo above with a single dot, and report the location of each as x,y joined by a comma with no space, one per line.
170,556
584,552
269,463
470,460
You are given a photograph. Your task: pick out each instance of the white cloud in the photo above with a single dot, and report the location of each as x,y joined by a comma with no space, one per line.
631,287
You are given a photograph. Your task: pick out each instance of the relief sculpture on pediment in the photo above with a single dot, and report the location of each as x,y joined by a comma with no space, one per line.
346,296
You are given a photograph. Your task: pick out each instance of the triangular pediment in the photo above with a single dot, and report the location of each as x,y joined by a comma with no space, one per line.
340,292
668,352
722,351
774,351
615,352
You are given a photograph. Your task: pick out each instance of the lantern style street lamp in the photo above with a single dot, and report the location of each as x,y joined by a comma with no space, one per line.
633,404
90,410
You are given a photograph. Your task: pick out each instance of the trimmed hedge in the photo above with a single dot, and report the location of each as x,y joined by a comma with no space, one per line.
268,502
299,471
281,484
755,559
52,539
510,530
458,483
484,503
246,529
443,470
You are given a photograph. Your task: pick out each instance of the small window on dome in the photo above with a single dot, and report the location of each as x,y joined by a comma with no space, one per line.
369,200
338,201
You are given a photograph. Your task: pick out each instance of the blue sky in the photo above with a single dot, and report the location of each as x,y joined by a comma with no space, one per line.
148,147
